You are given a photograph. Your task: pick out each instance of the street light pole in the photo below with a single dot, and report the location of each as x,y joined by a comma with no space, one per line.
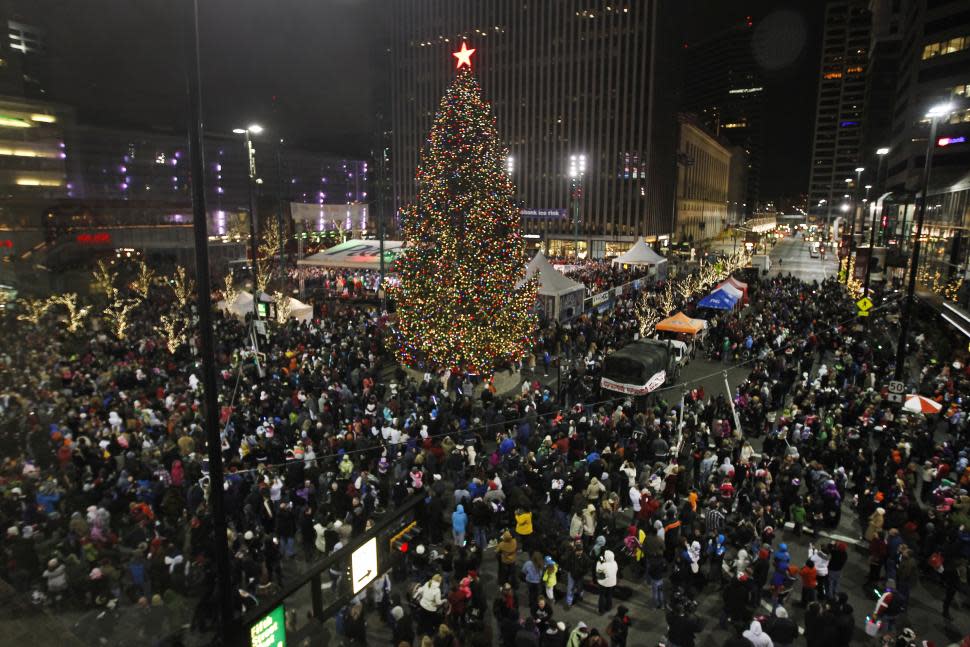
381,231
220,546
935,114
872,244
280,222
577,171
253,228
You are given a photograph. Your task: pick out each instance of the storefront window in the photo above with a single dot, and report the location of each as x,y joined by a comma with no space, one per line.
567,248
617,248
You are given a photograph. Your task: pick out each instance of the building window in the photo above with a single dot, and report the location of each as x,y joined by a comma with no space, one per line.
961,90
960,116
945,47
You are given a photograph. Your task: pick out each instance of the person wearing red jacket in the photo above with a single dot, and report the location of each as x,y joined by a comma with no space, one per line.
878,550
809,583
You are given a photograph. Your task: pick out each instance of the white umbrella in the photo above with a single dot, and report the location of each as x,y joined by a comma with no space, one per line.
920,404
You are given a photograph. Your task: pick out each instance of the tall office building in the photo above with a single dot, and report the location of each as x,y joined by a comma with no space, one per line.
836,150
24,68
934,68
565,77
702,183
885,46
724,87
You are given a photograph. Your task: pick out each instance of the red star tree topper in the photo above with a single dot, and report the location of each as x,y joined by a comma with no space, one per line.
464,56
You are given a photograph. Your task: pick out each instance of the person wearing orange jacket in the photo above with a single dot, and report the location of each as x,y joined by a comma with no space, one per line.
809,583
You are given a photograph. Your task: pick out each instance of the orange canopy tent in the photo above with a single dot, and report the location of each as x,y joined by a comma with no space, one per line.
681,323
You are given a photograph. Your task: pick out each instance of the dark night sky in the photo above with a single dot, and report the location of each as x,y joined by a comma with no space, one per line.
788,44
309,70
122,61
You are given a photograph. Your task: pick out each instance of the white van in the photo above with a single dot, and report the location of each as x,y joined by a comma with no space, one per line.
678,349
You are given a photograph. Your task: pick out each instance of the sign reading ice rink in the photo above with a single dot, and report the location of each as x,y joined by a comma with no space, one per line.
550,214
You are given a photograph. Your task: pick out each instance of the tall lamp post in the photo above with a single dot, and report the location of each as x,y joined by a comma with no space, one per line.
844,208
577,171
872,242
223,593
253,129
935,114
857,207
881,153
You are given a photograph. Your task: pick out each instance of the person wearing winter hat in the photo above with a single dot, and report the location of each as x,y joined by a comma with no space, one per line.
606,576
578,636
402,628
756,636
549,579
56,576
782,629
619,627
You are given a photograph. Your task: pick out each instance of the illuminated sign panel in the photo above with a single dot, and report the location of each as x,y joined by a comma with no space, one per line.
363,565
949,141
99,238
270,630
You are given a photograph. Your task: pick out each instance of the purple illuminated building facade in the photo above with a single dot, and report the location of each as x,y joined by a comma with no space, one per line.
150,171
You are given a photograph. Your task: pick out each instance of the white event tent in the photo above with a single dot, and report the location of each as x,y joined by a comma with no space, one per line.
560,296
642,254
242,305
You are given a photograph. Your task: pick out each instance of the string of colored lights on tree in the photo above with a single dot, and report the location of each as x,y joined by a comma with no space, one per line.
462,301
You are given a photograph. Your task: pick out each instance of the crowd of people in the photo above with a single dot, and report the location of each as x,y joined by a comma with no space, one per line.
528,505
338,283
599,275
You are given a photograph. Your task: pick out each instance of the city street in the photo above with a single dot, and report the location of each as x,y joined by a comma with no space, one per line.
792,256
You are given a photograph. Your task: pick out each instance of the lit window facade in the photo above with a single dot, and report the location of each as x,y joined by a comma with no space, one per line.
564,78
944,47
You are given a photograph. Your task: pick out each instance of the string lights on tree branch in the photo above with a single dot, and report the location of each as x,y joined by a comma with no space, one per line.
463,301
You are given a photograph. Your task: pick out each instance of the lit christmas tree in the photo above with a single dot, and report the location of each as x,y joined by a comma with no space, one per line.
462,303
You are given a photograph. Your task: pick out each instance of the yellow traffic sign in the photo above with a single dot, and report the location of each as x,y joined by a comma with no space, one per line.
864,304
863,313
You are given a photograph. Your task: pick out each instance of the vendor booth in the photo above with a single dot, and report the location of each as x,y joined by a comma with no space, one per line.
740,285
560,297
730,289
681,324
242,305
643,255
718,300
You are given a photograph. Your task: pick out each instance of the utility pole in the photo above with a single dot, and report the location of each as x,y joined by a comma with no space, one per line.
223,585
935,115
279,217
577,172
381,231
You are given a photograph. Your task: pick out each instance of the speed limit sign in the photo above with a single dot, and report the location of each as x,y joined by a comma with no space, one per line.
896,390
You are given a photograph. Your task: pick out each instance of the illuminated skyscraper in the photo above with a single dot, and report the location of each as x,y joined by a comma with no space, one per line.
836,149
566,77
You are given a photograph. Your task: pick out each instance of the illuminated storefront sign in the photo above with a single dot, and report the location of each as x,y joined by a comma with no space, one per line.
99,238
949,141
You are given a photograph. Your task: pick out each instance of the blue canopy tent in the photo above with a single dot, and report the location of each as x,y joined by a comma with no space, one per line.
718,300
